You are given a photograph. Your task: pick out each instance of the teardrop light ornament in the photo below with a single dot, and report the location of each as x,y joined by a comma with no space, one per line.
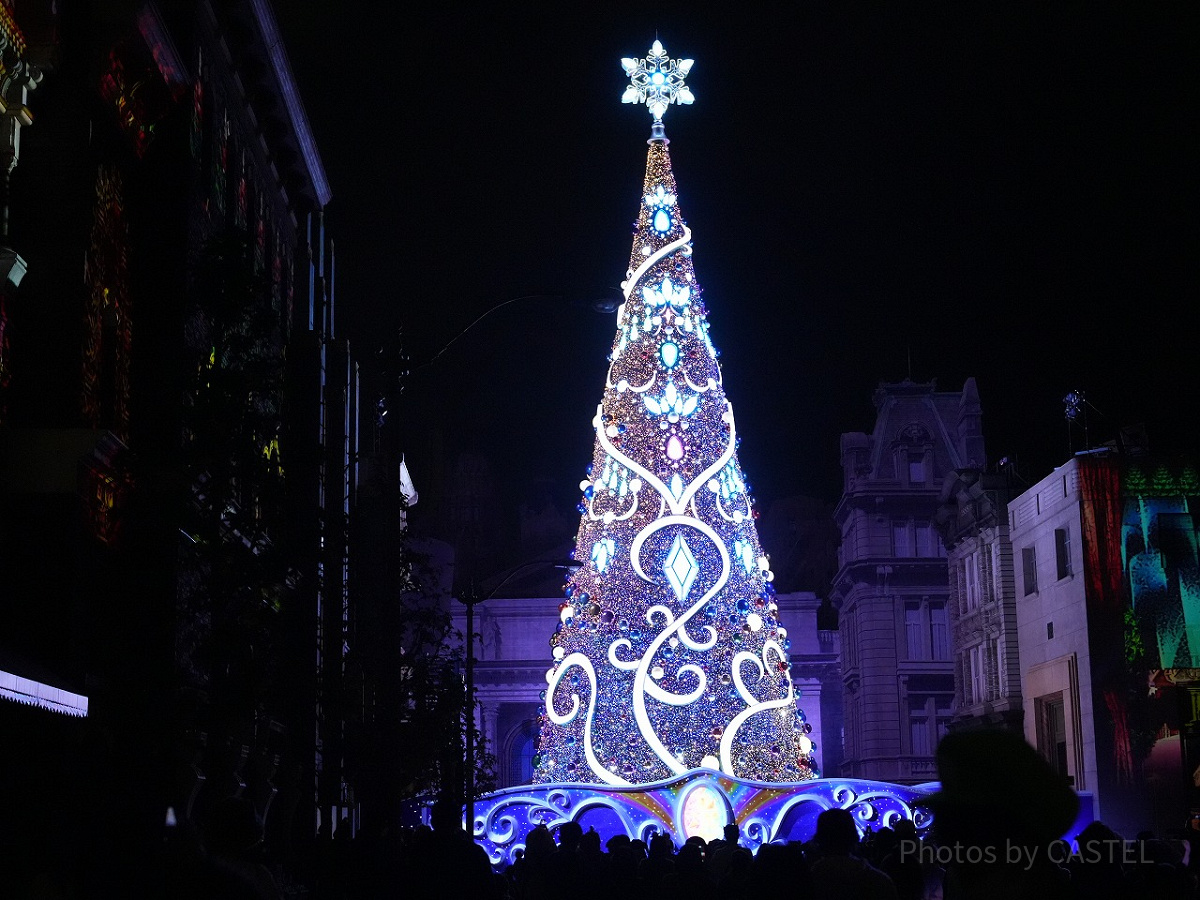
674,448
669,354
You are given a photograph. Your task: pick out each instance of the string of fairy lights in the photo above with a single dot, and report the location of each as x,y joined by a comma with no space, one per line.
669,655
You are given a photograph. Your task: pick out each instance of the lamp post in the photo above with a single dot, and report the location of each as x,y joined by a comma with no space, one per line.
470,598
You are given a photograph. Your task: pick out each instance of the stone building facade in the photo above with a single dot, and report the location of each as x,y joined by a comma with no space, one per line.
973,523
892,584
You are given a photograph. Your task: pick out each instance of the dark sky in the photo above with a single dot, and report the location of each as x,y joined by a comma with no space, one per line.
1005,190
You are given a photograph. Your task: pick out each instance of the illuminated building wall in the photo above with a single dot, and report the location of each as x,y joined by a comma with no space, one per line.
892,584
972,520
1106,560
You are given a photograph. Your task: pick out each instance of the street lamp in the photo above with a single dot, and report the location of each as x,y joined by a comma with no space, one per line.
470,599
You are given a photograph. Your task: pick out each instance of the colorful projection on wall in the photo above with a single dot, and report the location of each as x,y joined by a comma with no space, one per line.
1160,550
669,655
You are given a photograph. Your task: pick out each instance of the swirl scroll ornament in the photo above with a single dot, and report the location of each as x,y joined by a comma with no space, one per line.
580,660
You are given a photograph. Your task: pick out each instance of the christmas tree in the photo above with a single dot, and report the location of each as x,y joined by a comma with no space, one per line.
669,655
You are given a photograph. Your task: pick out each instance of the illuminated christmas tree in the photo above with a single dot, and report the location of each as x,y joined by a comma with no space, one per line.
669,656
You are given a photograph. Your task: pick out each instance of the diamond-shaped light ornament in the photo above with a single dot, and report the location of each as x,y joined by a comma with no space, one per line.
681,567
657,81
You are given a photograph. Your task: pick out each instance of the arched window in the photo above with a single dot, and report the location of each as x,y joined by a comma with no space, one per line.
913,450
524,744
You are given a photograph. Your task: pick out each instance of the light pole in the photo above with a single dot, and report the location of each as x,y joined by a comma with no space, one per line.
470,598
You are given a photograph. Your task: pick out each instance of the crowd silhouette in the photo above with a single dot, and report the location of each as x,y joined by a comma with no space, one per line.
890,863
1000,819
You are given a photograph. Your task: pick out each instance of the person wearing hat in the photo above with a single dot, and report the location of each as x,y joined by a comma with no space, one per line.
999,808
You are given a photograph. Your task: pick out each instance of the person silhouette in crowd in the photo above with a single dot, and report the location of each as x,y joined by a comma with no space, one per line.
901,861
690,879
839,870
1004,806
446,857
720,852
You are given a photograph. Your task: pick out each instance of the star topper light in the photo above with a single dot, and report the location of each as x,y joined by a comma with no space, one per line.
657,81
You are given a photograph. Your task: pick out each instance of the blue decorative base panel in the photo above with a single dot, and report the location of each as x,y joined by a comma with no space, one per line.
700,802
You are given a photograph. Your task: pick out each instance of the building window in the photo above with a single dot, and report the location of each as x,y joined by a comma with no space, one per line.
918,727
939,631
980,671
992,662
944,708
902,538
975,662
928,720
522,757
913,629
1062,551
926,630
916,467
928,543
849,641
1029,568
971,579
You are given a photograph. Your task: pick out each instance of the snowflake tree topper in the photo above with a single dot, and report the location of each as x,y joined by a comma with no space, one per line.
657,81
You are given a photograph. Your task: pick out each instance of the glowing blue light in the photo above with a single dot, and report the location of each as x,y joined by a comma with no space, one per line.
680,567
744,552
672,403
603,552
662,221
676,486
666,292
669,354
659,197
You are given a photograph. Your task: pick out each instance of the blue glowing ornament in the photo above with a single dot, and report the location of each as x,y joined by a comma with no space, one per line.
669,354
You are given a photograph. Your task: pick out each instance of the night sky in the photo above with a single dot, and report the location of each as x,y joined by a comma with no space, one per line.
1006,191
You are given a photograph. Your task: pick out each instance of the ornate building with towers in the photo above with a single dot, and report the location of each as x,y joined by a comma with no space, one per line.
892,584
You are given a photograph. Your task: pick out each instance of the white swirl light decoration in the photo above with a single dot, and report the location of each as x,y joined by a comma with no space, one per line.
773,648
757,830
684,638
740,719
640,685
648,263
610,516
635,561
692,644
622,385
581,660
736,516
663,696
736,671
625,665
710,384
